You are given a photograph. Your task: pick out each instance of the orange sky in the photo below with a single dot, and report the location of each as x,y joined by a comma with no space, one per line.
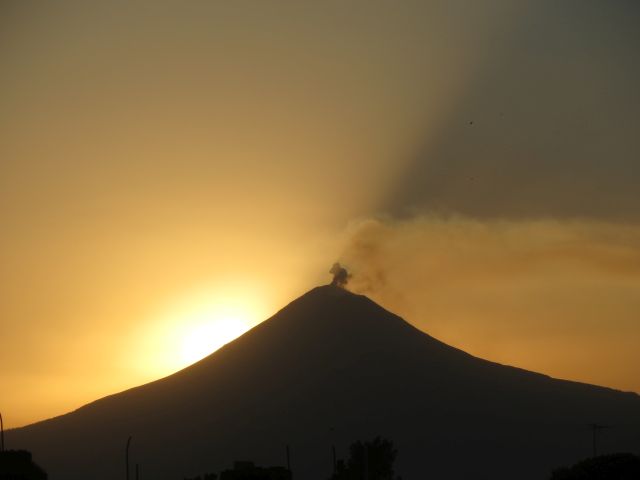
176,172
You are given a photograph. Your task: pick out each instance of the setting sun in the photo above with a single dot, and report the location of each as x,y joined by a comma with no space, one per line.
196,324
210,330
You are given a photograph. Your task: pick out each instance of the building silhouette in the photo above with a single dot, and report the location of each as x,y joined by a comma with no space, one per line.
18,465
615,466
249,471
206,476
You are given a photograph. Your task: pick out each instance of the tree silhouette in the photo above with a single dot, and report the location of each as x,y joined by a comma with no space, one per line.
368,461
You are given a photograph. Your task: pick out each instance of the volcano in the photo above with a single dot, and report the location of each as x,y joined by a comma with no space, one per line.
330,368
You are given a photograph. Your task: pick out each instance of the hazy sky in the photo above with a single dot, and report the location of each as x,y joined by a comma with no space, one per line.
174,172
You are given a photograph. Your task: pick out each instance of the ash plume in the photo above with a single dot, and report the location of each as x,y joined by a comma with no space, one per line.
340,275
485,282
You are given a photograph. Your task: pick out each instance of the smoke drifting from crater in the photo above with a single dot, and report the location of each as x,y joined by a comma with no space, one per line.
340,275
557,297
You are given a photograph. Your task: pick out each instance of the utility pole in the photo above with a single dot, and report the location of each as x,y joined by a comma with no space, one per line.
595,428
126,456
137,472
366,461
333,451
288,460
1,434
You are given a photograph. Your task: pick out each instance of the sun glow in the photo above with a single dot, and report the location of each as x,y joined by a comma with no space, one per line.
195,325
210,330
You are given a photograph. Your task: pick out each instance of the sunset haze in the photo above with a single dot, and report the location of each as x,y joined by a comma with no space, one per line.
174,173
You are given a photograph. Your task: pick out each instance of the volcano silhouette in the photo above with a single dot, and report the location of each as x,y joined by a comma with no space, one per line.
330,368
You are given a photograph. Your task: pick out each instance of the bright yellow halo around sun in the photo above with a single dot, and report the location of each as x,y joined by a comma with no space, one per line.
210,329
194,326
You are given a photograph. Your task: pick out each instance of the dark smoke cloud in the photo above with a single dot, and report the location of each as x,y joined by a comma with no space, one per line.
340,275
508,290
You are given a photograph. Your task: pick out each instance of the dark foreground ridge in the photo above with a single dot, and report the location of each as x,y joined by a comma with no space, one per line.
326,369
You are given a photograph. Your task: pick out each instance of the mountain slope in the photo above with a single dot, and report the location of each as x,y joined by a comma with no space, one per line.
332,367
